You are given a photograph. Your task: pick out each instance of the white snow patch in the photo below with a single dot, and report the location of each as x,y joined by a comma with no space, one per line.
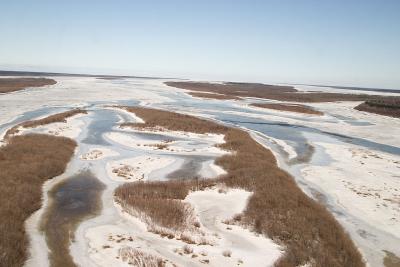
207,145
234,245
137,168
214,206
366,183
70,129
211,170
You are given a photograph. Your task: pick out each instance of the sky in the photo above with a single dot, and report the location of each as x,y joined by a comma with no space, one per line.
339,42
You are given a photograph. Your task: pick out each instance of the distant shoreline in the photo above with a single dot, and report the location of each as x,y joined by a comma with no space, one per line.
8,85
357,88
103,76
39,73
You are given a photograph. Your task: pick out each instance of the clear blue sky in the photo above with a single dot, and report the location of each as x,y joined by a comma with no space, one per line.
345,42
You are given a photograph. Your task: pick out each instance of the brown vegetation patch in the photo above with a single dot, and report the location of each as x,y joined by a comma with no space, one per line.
26,162
227,253
213,96
158,203
155,118
275,92
391,260
278,208
124,171
92,155
289,107
8,85
135,257
388,107
160,146
59,117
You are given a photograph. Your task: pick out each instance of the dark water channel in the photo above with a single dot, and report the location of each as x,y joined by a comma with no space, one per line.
293,134
71,201
190,168
103,121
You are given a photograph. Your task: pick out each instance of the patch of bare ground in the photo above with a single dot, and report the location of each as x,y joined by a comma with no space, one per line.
289,107
275,92
213,96
8,85
391,260
59,117
26,162
388,107
278,208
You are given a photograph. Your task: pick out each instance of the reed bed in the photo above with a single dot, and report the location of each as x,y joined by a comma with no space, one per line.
26,162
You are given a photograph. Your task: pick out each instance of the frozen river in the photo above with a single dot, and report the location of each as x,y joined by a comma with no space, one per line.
346,159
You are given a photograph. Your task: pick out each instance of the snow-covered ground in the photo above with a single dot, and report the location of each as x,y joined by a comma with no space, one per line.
367,183
71,128
231,245
77,92
137,168
187,146
377,128
214,207
362,187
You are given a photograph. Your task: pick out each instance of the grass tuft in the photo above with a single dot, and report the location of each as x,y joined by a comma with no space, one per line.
138,258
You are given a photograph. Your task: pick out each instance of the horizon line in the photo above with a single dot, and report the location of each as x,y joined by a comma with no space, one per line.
49,73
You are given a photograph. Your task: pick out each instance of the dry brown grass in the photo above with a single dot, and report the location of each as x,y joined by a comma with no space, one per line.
289,107
138,258
391,260
187,249
275,92
213,96
160,146
278,208
26,162
153,190
59,117
124,171
159,204
8,85
172,121
388,107
227,253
